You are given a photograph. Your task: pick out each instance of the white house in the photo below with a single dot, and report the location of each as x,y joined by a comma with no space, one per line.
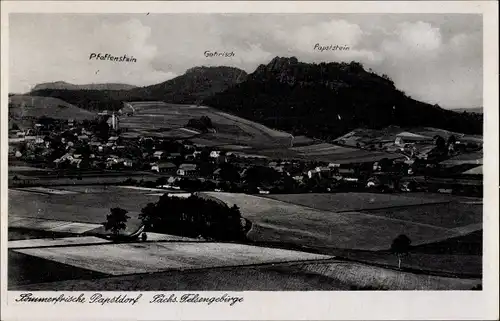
215,153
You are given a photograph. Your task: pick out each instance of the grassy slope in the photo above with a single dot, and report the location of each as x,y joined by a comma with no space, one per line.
279,222
35,106
82,207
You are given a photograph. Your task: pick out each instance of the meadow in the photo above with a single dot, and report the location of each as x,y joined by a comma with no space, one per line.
278,222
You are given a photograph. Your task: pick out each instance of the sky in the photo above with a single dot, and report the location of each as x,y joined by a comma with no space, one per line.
436,58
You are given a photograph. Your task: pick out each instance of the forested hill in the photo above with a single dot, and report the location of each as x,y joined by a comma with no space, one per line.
192,87
329,99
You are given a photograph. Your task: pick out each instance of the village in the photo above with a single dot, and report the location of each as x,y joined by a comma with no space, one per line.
415,162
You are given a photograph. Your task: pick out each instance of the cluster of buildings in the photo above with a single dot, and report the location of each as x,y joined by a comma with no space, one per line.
81,146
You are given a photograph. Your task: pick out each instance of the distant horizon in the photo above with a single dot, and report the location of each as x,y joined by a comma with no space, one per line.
435,58
204,66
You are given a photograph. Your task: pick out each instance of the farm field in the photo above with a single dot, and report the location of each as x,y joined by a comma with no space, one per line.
26,168
450,264
447,215
442,211
26,269
279,222
64,241
340,154
84,180
153,117
323,276
15,234
88,204
119,259
342,202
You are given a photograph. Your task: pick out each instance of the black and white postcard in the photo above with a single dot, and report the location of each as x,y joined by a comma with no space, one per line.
249,160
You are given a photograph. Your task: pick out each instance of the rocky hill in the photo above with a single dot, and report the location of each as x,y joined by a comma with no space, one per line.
327,100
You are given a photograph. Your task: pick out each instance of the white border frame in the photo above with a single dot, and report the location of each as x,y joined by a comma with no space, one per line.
311,305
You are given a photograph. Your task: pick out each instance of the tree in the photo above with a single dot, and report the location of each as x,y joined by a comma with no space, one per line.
229,172
206,121
116,220
147,215
102,129
439,142
401,246
259,175
452,140
385,164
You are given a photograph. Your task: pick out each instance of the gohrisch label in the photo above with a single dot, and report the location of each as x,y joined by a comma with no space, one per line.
108,57
321,48
226,54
